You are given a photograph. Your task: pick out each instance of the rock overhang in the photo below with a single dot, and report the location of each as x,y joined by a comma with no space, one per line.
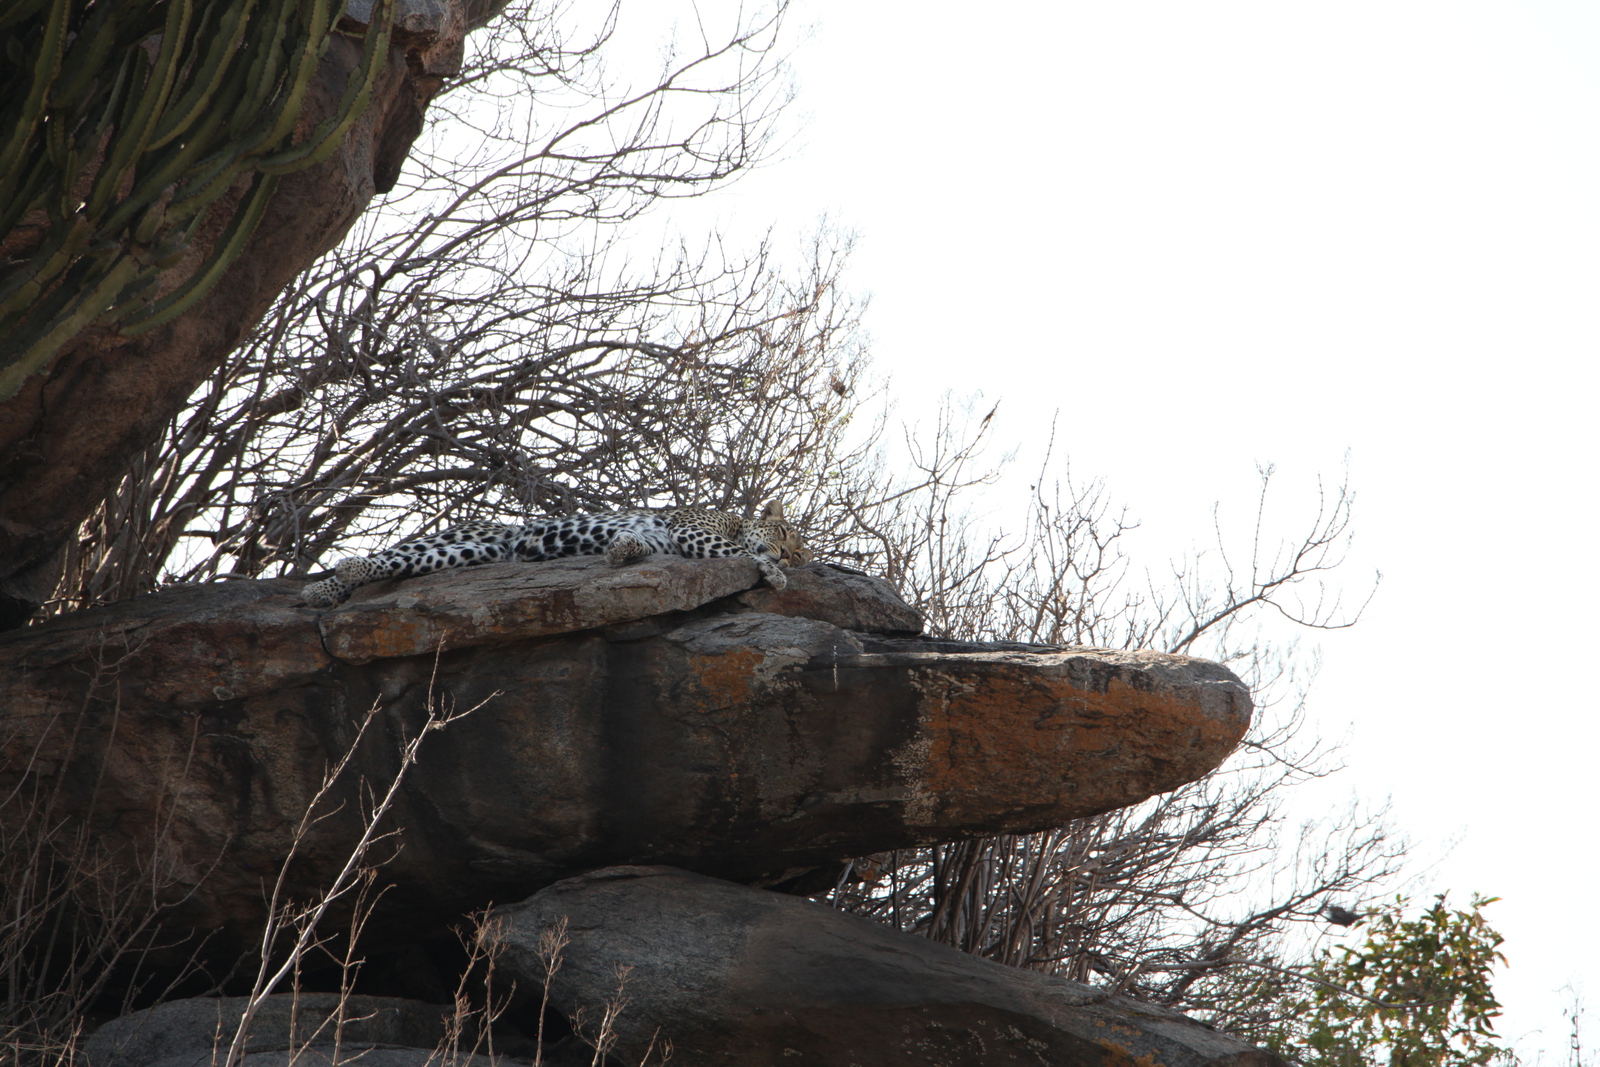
670,712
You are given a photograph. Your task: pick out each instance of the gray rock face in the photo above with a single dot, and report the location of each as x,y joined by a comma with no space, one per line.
643,714
848,600
507,602
734,975
512,601
307,1030
188,1033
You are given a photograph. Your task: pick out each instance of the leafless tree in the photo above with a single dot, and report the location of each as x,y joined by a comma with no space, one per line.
483,343
486,344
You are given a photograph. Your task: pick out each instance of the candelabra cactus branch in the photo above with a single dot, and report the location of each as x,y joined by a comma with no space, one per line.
136,117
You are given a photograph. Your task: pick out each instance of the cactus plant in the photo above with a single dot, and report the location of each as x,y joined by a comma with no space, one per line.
127,122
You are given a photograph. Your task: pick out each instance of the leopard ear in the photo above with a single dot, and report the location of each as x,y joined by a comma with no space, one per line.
773,510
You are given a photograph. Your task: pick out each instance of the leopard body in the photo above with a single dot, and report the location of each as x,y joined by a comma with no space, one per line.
621,536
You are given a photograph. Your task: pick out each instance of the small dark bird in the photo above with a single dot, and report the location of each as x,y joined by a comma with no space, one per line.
1340,916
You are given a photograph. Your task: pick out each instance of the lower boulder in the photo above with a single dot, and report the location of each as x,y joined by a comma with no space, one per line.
314,1030
734,975
309,1029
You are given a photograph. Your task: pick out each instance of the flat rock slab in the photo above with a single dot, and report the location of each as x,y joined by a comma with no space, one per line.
196,726
504,602
737,976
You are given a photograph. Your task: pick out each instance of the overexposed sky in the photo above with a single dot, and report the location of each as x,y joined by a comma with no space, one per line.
1216,235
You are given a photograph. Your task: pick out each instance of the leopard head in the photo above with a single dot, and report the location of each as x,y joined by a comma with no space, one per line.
784,539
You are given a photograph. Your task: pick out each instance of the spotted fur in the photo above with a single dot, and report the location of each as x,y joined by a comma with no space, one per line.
621,536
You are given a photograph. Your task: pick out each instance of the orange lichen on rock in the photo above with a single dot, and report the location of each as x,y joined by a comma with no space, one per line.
1041,721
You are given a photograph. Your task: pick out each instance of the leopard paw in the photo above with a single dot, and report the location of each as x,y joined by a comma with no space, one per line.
326,593
773,574
625,549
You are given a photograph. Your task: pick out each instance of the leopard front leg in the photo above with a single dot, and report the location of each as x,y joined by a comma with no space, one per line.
714,546
768,558
772,571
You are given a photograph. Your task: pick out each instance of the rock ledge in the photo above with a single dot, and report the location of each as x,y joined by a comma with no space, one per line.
672,712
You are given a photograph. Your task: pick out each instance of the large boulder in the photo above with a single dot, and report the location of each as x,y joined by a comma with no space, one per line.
739,976
661,713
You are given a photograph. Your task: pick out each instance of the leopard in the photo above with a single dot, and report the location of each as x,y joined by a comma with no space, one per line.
622,537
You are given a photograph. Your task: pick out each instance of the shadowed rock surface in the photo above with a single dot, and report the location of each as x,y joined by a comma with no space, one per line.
186,1033
508,601
305,1030
733,975
659,713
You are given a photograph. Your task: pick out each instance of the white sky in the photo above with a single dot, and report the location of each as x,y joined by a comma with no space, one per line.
1219,234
